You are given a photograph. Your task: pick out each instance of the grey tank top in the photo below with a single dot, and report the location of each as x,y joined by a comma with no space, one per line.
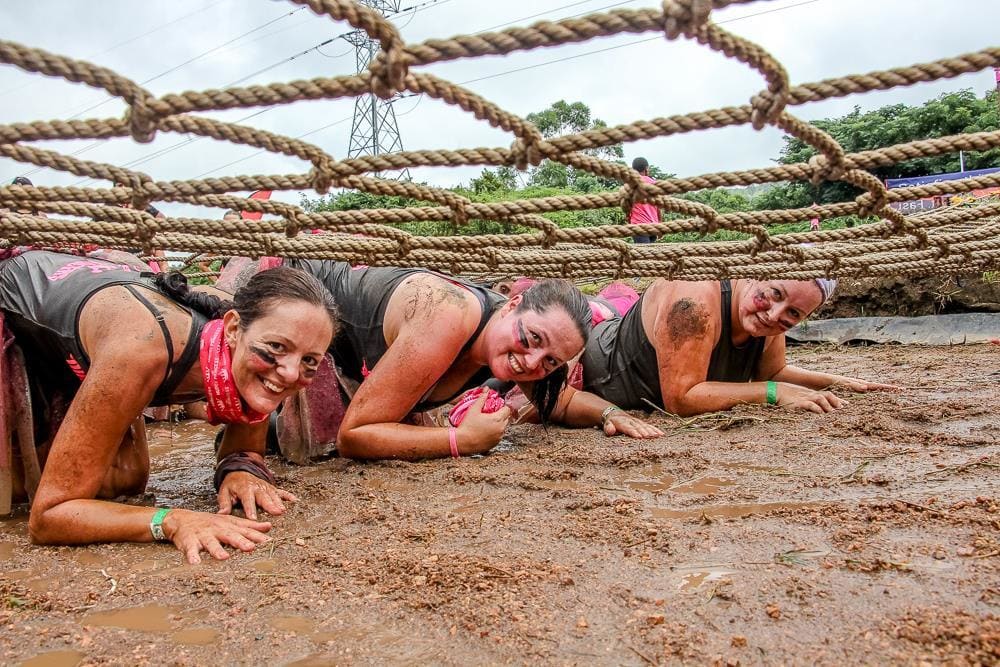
619,362
43,294
362,293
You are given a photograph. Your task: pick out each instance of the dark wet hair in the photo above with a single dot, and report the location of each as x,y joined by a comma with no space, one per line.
21,180
640,164
253,300
540,297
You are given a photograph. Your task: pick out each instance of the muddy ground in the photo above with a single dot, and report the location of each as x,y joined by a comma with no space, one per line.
759,537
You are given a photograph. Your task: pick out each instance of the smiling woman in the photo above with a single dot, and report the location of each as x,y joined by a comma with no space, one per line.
695,347
102,341
412,340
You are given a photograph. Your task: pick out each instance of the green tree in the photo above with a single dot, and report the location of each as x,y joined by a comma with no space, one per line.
571,118
658,174
503,179
948,114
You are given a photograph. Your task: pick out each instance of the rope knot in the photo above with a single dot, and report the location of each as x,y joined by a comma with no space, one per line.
684,16
459,213
823,169
766,107
268,244
389,71
490,255
141,120
524,153
761,242
321,179
293,224
146,228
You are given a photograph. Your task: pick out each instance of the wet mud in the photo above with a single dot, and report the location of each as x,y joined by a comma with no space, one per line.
871,535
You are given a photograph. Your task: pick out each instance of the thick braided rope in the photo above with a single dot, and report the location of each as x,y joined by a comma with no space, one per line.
964,240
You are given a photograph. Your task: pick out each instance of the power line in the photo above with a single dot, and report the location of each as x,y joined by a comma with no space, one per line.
194,59
413,10
161,74
554,9
122,43
612,48
462,83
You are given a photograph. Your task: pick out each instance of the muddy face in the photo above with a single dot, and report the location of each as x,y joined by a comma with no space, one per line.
527,345
772,307
279,353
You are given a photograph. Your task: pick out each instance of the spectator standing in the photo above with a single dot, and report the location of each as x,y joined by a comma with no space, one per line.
643,213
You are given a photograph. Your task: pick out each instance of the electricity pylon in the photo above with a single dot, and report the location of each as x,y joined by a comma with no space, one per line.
374,130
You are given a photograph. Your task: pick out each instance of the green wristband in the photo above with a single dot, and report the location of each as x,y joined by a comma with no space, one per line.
772,392
156,524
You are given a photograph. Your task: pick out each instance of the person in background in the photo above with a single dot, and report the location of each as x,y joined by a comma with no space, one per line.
643,213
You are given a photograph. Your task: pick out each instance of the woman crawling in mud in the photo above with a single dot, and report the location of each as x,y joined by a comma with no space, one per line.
102,341
696,347
415,340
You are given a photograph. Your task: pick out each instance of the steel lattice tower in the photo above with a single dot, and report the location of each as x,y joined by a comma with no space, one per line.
374,130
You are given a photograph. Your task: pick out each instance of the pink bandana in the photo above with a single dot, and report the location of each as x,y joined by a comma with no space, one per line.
224,403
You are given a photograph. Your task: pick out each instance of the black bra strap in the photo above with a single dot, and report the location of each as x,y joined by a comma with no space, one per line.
163,327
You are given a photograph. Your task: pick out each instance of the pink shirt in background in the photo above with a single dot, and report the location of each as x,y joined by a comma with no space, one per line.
643,212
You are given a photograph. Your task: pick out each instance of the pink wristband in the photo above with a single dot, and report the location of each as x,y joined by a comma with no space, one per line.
453,441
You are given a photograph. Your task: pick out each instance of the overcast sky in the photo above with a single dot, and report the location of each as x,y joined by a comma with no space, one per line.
200,44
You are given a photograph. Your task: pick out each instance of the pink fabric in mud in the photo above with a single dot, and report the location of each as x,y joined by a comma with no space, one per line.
621,296
221,394
493,403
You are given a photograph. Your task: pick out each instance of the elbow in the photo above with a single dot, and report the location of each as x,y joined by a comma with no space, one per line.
40,529
677,405
350,446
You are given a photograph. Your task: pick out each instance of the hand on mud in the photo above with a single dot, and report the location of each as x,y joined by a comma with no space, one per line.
794,396
251,492
194,532
480,432
633,427
862,387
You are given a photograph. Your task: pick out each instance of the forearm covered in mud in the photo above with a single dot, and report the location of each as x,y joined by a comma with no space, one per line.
91,521
396,441
581,408
807,378
715,396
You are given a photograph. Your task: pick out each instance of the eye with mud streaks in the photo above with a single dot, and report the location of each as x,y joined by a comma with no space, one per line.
521,335
264,355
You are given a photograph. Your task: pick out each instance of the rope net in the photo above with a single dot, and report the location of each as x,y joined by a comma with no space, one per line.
949,241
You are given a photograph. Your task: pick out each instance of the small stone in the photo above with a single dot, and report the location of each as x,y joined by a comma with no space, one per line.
655,619
419,580
965,551
738,641
582,623
299,542
773,610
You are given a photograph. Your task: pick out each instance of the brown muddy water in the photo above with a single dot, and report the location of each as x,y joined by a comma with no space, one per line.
871,535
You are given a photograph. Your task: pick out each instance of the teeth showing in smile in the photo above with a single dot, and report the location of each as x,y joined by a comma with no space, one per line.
270,386
518,368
